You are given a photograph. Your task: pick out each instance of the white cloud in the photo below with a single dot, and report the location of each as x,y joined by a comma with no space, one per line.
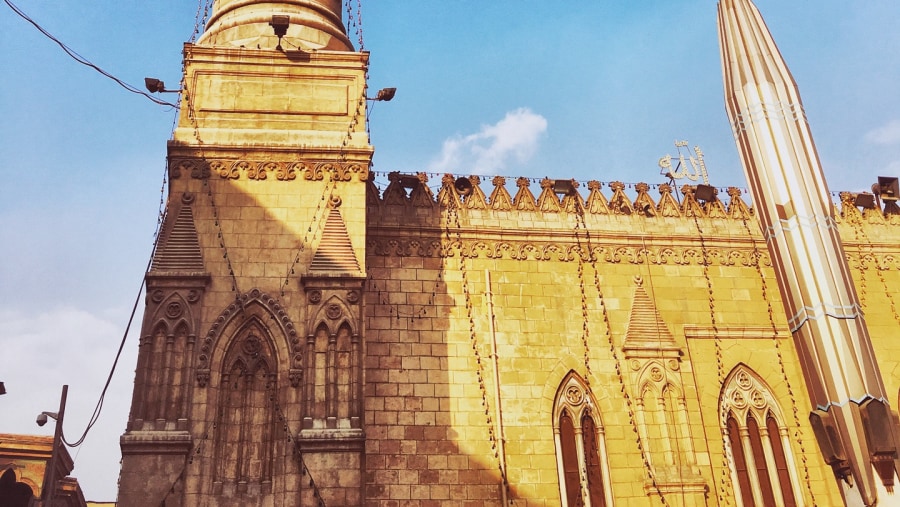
515,138
887,134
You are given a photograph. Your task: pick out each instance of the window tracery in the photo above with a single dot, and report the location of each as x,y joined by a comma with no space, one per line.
580,446
759,443
244,441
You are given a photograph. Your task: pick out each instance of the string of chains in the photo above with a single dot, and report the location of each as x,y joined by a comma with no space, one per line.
317,224
203,172
727,455
452,215
581,225
755,258
203,7
862,238
294,443
356,22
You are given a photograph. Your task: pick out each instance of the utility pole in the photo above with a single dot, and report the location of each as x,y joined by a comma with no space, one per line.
50,477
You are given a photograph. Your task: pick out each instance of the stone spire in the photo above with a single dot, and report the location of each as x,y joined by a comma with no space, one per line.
851,417
314,24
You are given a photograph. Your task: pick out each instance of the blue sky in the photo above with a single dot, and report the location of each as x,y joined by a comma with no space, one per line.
591,90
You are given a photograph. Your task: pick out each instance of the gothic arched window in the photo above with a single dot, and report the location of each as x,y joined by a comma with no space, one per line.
332,379
760,446
246,412
580,447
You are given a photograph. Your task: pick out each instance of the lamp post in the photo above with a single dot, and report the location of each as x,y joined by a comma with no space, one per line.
49,488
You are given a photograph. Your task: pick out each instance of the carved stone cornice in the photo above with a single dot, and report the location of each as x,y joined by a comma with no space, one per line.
564,251
253,169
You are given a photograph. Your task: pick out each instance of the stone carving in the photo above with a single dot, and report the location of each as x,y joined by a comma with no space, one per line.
563,251
174,310
500,199
574,395
334,311
296,377
744,393
271,306
261,169
524,200
548,202
596,202
251,346
203,378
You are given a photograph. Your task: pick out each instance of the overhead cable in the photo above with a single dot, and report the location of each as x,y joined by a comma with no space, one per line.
84,61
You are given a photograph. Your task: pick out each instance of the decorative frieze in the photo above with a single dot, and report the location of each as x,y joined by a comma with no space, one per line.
562,251
280,170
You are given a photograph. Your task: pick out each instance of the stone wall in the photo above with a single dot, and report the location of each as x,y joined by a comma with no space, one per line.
570,283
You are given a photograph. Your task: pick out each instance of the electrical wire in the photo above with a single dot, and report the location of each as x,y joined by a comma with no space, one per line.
84,61
97,409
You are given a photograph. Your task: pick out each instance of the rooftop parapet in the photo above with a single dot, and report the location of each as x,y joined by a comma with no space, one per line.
624,199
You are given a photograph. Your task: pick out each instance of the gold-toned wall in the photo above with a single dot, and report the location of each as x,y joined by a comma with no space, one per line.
432,427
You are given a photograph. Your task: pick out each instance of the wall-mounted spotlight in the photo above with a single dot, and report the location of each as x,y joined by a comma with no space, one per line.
384,95
409,181
157,86
280,24
864,200
463,186
705,193
564,187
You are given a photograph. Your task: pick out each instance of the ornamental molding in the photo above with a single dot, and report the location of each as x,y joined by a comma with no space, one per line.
168,309
251,169
564,252
241,307
744,393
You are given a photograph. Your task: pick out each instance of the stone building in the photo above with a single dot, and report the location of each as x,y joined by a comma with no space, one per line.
24,464
311,340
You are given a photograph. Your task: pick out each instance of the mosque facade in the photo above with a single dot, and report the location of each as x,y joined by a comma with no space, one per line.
311,339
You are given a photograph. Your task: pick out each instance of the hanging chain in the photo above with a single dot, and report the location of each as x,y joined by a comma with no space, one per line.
755,258
294,442
453,216
317,225
727,455
200,18
585,321
355,20
862,237
581,224
203,173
